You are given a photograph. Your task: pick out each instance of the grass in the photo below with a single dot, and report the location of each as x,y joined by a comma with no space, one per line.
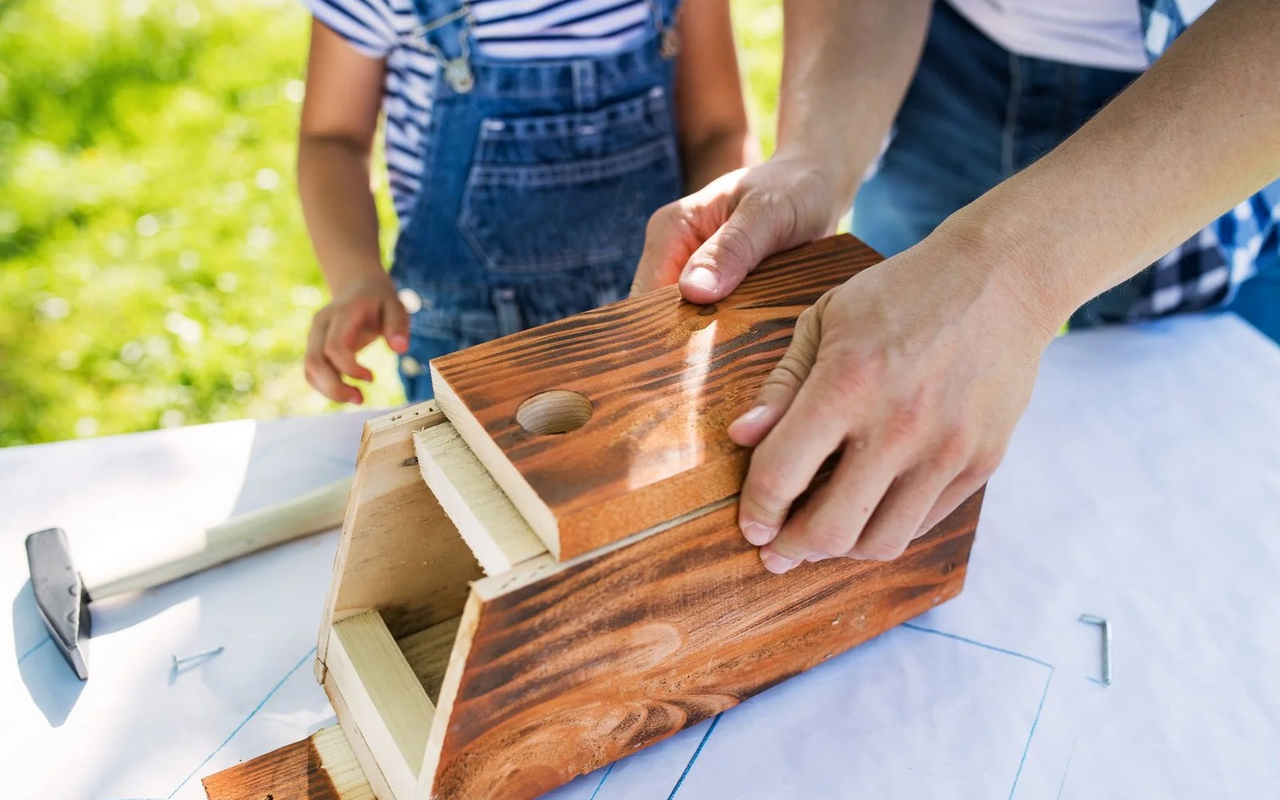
154,267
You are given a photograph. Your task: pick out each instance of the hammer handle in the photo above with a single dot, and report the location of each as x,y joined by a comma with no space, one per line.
315,511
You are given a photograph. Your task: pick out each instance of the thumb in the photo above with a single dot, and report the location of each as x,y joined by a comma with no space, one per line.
668,243
753,232
395,324
780,388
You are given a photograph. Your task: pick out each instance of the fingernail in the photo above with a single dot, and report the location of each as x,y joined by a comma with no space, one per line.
752,417
703,278
399,342
758,534
777,564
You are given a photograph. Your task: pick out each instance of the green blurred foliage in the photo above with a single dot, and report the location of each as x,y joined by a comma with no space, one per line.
758,25
154,267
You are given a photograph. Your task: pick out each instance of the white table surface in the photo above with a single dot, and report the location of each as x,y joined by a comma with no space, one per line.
1143,484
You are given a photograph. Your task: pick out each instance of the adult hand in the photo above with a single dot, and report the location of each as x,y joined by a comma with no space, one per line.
917,370
361,312
711,239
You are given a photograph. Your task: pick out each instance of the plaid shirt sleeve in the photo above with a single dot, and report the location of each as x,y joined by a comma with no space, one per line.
1204,271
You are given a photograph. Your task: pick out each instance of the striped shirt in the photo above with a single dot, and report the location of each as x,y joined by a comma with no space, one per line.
508,29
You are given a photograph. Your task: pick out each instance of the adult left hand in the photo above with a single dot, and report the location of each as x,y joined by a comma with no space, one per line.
917,371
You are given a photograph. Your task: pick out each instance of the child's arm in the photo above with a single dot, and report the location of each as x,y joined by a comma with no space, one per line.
335,141
715,137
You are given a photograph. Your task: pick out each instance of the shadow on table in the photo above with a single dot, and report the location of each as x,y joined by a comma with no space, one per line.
50,681
53,687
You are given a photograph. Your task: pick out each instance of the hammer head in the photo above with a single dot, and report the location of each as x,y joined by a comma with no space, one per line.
60,596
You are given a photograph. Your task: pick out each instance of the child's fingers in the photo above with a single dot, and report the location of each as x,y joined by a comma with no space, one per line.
395,324
340,353
351,326
321,374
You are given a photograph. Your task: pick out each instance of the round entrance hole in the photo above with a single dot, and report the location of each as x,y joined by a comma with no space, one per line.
557,411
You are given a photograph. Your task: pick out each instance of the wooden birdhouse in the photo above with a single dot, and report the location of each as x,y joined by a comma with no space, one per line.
541,572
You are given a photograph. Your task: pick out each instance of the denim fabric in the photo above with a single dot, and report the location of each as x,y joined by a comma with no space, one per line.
974,115
538,181
1258,298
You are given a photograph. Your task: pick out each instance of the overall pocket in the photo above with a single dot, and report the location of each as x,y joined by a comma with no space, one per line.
554,193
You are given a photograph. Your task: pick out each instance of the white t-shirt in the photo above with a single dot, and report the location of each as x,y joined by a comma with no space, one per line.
1091,33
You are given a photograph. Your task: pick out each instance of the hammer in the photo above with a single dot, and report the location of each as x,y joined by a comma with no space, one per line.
63,594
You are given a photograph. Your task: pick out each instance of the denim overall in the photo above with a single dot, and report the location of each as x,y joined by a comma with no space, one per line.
974,115
538,179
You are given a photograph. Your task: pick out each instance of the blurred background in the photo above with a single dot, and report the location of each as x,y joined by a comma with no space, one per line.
154,266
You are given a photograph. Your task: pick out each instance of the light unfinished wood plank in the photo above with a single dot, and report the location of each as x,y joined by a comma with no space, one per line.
365,759
321,767
386,701
485,517
399,552
433,762
428,654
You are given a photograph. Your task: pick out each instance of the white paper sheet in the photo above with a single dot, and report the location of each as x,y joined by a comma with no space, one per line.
1142,485
136,729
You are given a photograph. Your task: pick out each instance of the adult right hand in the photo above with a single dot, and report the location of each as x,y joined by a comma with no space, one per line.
913,373
711,239
361,312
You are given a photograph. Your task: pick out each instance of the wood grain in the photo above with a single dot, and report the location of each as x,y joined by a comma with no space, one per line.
385,699
355,740
320,767
662,379
598,659
428,654
399,552
490,525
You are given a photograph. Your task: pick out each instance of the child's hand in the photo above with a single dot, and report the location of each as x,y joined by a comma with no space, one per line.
363,311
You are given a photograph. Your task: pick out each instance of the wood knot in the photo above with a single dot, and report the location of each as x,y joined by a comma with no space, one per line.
411,461
708,310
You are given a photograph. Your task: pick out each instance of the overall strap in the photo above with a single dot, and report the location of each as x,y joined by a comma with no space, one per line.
446,31
665,14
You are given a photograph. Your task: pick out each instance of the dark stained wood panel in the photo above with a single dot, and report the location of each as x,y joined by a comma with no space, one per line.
663,379
600,659
320,767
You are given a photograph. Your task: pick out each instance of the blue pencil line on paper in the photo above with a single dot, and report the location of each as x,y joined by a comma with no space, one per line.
696,753
983,645
33,648
603,778
920,628
245,721
1043,696
1027,747
1072,752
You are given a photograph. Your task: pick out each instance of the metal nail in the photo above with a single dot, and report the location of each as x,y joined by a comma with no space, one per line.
1093,619
178,662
